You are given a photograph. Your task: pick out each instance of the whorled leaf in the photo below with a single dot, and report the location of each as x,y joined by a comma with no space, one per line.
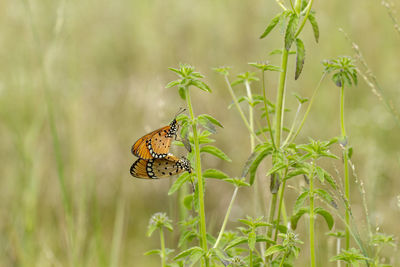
271,26
300,57
215,151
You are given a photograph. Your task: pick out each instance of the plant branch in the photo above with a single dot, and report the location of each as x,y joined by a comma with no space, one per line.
308,108
240,110
305,18
200,183
266,110
346,165
311,230
221,232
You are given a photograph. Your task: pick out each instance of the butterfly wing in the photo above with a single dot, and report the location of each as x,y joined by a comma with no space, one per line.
138,169
153,145
160,143
157,168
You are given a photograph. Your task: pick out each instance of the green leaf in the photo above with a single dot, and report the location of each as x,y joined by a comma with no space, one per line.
172,84
291,31
271,26
352,255
236,182
300,57
254,160
314,24
274,249
265,66
253,157
195,257
300,99
222,70
213,173
237,241
188,201
279,52
215,151
325,176
185,253
207,124
295,218
182,93
327,216
151,228
277,167
179,182
211,119
350,152
300,201
177,71
152,252
201,85
219,253
325,196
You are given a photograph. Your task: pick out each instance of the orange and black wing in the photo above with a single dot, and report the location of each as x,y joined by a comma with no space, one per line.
153,145
158,168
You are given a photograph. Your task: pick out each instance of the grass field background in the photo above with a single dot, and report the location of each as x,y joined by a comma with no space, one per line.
80,81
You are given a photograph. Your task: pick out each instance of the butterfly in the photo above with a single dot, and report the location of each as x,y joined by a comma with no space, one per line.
157,143
160,167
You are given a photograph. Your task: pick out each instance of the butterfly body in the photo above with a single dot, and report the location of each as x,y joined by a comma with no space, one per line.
159,167
157,143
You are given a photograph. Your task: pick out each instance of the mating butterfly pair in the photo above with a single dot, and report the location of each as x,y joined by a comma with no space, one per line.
154,160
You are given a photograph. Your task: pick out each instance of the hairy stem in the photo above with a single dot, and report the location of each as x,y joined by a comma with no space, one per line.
292,128
308,109
305,17
282,191
251,115
279,100
228,212
162,247
200,183
283,260
346,166
278,130
240,110
311,230
266,110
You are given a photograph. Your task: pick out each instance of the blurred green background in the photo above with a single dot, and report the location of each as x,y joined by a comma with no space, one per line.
93,73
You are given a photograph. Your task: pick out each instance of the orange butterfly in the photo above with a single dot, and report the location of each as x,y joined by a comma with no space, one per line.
160,167
157,143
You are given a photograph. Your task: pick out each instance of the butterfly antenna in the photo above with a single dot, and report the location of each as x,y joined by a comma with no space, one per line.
180,111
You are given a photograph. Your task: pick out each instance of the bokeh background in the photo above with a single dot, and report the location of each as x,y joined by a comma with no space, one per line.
80,81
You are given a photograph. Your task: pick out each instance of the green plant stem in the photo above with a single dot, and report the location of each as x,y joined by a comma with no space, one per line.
297,7
279,100
282,191
240,110
228,212
311,231
308,109
162,247
283,260
346,167
271,215
292,128
203,232
305,17
251,115
251,258
266,109
281,4
278,129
